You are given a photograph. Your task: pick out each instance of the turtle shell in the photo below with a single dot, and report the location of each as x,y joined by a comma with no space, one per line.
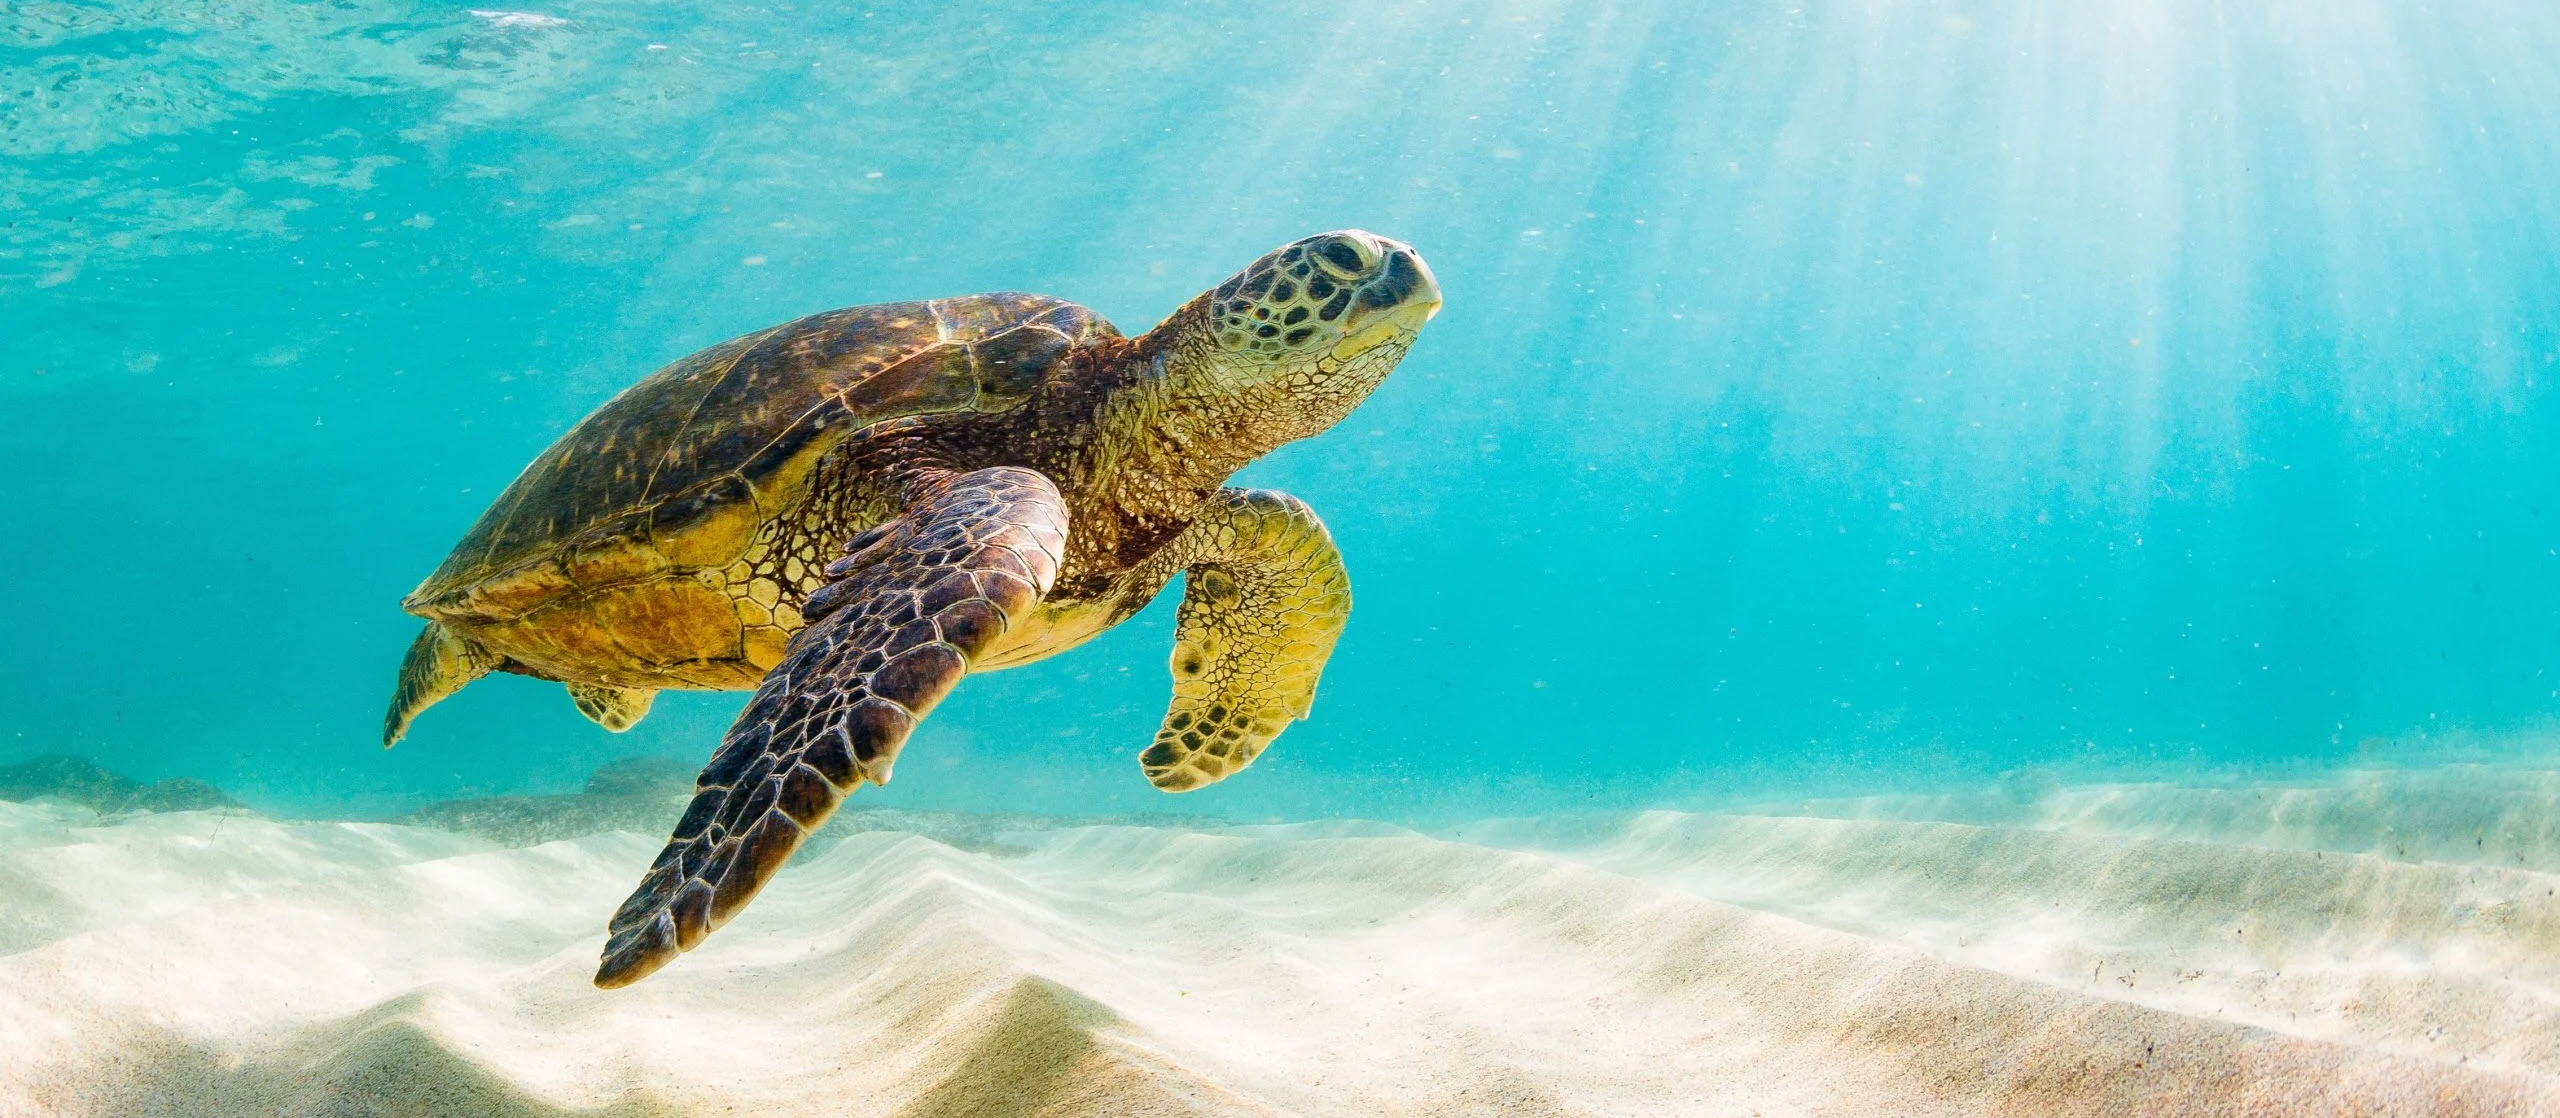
680,470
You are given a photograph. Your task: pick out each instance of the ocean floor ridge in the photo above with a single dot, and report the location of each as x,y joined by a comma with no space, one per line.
1852,961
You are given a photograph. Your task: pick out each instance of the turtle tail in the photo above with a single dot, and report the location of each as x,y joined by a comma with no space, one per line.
440,662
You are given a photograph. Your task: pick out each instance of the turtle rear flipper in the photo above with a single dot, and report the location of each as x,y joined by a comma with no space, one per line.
614,708
902,619
440,662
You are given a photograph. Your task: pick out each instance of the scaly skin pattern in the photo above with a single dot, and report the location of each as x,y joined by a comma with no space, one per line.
439,663
614,708
1266,598
943,444
916,602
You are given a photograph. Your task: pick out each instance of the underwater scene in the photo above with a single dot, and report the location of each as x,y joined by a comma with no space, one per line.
1452,559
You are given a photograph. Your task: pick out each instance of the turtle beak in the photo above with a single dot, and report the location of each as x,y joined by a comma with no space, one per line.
1402,297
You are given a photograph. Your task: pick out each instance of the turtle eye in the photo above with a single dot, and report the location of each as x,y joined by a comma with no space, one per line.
1346,257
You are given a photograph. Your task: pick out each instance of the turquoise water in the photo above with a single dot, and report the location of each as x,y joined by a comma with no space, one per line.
1873,395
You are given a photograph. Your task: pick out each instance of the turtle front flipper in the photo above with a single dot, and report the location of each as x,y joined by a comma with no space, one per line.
1265,597
901,619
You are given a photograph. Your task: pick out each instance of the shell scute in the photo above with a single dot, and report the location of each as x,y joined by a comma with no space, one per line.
708,524
679,470
611,557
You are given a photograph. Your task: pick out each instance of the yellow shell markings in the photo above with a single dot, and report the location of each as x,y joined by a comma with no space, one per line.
607,563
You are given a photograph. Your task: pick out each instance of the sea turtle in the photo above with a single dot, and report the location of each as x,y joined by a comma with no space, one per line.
848,512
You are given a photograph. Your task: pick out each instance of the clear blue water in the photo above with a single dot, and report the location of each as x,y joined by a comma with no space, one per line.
1869,394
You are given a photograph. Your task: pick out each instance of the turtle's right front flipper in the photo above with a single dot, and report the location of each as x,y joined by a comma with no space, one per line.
902,619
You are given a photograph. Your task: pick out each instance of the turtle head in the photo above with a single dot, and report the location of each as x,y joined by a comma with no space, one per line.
1308,330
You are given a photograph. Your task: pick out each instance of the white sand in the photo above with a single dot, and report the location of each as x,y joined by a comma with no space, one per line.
2065,959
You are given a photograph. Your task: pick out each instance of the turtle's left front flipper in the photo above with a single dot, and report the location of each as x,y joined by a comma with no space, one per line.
900,621
1266,598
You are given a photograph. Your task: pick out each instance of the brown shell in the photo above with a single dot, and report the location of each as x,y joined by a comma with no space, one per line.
680,469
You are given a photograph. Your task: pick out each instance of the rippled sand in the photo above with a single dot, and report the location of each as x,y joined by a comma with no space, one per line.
2377,944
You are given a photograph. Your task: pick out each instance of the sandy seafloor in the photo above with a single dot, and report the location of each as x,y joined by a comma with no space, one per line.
2371,943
